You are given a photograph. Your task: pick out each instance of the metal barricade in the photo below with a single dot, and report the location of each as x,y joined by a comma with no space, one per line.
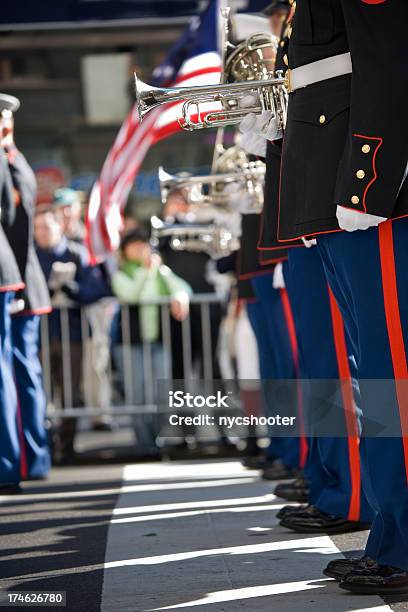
62,358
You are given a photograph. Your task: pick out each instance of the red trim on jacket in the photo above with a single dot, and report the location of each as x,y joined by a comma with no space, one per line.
249,275
278,248
6,288
267,262
380,141
36,311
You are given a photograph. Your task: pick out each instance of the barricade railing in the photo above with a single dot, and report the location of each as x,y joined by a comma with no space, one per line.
80,361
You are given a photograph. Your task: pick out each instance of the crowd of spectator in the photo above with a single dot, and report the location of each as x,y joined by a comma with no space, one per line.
106,322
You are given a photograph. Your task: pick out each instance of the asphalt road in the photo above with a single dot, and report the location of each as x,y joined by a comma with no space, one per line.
199,536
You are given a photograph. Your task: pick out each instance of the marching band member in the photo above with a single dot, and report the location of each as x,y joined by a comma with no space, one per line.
10,282
336,503
343,168
28,305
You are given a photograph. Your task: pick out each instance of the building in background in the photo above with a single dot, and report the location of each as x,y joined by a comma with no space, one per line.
75,82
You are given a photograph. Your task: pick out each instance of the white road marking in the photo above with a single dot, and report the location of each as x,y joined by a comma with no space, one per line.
193,549
129,489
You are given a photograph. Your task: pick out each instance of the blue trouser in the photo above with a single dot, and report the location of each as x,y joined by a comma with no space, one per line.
36,460
367,271
333,465
276,357
9,440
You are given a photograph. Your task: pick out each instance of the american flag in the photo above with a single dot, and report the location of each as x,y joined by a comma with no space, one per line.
193,60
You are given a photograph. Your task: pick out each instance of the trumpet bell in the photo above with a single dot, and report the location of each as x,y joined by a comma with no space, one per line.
253,59
147,96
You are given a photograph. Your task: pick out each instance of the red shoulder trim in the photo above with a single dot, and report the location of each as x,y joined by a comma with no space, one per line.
15,287
36,311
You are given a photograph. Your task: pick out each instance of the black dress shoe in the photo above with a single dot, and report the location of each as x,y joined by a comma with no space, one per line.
338,568
286,510
254,463
11,488
303,509
297,491
320,522
377,580
277,471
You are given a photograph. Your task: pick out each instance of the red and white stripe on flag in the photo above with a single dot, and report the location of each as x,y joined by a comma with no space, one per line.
110,193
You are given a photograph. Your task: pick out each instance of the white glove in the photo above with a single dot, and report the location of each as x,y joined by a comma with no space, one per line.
264,125
278,281
309,243
239,200
248,101
352,220
253,144
61,274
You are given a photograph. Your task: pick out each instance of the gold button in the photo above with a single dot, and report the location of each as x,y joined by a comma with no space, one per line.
290,31
355,199
285,60
360,174
322,119
366,148
282,43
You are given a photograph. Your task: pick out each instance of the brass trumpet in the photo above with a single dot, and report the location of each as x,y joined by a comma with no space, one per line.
211,188
269,92
250,66
215,240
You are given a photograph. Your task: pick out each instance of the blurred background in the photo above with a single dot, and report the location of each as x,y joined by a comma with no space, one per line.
71,64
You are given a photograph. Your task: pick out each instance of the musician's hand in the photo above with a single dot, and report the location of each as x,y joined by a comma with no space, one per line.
252,143
248,101
179,307
239,199
278,281
263,125
352,220
309,242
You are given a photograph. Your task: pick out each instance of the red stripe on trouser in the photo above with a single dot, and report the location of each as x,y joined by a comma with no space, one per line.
290,324
394,328
349,408
23,455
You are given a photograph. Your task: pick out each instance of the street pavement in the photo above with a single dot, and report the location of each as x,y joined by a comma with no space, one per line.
199,536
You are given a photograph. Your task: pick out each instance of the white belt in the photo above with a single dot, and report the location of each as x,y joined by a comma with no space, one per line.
327,68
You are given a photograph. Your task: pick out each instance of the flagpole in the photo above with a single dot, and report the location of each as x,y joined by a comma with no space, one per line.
223,37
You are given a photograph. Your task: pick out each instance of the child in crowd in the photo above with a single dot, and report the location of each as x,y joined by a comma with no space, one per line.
141,281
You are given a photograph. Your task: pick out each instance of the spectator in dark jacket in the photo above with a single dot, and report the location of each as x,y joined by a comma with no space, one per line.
72,283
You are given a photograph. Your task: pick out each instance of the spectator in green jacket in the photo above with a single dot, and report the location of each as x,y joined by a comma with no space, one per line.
140,281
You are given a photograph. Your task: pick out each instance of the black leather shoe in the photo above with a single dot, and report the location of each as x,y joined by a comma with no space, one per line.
378,580
286,510
297,491
338,568
254,463
10,489
320,522
277,471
